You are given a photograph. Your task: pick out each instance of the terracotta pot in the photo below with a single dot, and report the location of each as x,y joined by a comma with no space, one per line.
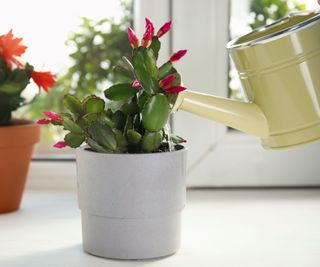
16,147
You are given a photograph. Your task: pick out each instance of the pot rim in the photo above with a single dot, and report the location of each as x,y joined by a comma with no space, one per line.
19,135
25,123
236,43
182,150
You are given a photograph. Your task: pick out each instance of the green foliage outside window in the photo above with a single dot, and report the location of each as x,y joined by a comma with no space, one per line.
264,12
98,46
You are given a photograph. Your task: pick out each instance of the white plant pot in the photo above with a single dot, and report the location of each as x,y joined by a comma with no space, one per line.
131,204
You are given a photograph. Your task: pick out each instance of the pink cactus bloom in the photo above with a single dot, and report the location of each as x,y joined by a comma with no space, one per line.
133,39
53,116
44,121
175,89
60,144
147,37
178,55
136,84
149,22
164,29
165,83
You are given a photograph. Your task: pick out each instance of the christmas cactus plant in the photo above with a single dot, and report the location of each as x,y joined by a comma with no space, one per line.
15,76
134,116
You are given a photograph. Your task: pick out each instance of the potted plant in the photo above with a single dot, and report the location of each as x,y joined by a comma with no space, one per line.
131,172
17,136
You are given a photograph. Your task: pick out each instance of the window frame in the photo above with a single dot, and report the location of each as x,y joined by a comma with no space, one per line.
217,157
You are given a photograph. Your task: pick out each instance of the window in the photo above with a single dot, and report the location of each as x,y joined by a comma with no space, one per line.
46,27
218,157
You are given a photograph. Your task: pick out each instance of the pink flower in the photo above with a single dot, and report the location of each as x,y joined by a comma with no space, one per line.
175,89
165,83
176,56
53,116
44,121
133,39
136,84
60,144
147,37
149,22
164,29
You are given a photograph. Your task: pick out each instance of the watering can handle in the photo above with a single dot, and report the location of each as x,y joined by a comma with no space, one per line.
244,116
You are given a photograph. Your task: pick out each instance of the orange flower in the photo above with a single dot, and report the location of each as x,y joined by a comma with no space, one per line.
43,79
10,48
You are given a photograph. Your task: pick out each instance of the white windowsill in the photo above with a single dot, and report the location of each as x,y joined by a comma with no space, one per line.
220,228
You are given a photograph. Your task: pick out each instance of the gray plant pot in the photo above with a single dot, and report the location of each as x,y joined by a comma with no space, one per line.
131,204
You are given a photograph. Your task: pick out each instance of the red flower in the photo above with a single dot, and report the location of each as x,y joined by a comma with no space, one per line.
176,56
10,48
136,84
133,39
43,79
60,144
149,22
51,116
164,29
165,83
147,37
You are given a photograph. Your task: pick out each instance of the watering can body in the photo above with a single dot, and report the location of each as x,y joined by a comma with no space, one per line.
279,68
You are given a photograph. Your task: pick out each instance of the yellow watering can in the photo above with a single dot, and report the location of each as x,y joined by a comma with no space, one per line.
279,68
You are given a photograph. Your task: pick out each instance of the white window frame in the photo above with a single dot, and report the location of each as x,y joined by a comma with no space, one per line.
217,157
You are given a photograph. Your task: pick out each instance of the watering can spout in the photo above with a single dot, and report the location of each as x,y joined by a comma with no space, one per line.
243,116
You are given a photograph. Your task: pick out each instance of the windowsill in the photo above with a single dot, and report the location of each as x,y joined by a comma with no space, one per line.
220,228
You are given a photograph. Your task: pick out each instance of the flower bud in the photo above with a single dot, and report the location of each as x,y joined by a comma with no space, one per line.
133,39
164,29
176,56
165,83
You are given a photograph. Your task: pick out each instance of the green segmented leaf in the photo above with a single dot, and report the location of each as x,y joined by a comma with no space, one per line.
120,91
104,118
11,88
155,113
151,141
74,140
4,70
142,99
103,135
71,126
89,118
166,69
146,70
93,104
72,103
134,137
121,140
130,108
119,120
95,146
177,139
155,46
